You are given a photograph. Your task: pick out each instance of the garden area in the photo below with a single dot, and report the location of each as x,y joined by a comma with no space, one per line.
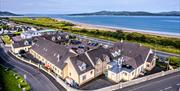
174,62
12,81
6,39
161,43
166,63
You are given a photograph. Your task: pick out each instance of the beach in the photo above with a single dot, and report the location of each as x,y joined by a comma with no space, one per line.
113,29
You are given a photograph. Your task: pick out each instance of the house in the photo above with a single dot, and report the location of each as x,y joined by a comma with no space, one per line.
80,69
57,37
29,34
99,58
88,65
34,33
22,45
52,56
16,39
122,61
130,61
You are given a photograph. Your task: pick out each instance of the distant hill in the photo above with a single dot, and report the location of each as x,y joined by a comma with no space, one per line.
4,13
127,13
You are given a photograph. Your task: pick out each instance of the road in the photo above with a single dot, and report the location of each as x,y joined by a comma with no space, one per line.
169,82
36,78
165,54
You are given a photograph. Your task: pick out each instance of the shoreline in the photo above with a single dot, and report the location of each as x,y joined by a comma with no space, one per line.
113,29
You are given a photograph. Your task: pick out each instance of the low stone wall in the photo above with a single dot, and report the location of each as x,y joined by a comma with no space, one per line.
109,88
24,60
138,80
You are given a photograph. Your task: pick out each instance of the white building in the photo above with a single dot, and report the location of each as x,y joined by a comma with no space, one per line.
30,34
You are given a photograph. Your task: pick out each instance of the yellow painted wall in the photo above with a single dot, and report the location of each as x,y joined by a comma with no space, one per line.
121,76
16,50
72,72
76,77
43,60
65,71
89,76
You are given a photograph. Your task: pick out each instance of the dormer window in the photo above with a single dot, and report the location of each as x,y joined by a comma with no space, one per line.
116,53
26,43
58,58
107,59
53,38
54,54
59,38
98,61
81,65
67,36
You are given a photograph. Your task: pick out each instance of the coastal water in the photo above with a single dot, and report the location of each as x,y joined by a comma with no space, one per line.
157,24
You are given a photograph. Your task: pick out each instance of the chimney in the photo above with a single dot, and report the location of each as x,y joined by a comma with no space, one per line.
140,44
121,40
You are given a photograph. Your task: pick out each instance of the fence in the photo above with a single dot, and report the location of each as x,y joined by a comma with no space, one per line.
109,88
138,80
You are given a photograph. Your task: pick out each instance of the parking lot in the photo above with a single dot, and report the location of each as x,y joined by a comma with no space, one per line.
96,83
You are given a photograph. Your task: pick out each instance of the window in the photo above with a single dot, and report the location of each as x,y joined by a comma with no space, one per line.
125,73
147,65
82,67
91,72
132,73
142,68
107,59
84,77
99,61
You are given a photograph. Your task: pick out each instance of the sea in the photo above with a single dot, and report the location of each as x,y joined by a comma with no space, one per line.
169,25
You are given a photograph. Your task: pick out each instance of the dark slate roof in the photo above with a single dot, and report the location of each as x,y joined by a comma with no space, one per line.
56,54
150,58
97,53
135,51
130,61
56,37
22,43
16,38
78,60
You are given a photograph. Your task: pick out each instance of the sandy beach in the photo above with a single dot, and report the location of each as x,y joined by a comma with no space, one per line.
113,29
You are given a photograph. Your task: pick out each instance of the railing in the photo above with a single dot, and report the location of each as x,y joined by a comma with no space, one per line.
109,88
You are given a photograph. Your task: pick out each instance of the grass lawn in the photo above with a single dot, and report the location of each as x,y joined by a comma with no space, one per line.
6,39
18,33
9,82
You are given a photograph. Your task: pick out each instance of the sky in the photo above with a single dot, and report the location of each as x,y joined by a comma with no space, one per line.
84,6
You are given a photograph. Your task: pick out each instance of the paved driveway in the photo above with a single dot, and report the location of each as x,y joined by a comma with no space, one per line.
96,83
